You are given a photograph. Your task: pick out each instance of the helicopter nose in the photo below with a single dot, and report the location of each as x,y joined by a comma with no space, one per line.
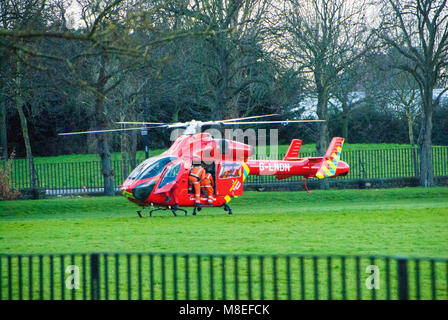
342,169
143,191
126,191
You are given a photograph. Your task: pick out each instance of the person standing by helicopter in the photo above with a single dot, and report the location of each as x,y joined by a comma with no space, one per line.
197,174
207,183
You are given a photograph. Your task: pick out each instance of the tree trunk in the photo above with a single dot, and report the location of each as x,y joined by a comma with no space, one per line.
176,113
322,142
322,113
92,139
132,149
103,139
345,125
3,132
345,115
24,124
412,143
411,132
123,149
426,167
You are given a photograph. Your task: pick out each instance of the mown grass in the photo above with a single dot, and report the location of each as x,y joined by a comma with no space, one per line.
409,222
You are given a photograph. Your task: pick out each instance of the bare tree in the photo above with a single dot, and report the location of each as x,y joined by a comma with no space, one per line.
227,57
322,38
418,31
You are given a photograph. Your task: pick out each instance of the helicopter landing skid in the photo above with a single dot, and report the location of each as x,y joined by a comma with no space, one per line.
174,210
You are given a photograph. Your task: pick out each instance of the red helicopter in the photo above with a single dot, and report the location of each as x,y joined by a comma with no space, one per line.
162,181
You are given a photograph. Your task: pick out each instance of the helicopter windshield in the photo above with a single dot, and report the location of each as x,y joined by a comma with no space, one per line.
150,168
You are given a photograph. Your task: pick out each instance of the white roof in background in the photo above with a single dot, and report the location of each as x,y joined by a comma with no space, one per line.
309,102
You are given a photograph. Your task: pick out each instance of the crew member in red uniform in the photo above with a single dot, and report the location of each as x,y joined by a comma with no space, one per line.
197,174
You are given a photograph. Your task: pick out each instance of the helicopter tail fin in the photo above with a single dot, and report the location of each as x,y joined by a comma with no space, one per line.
331,159
293,150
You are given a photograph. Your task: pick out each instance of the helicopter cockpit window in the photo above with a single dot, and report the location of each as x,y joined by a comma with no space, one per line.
230,170
170,175
151,168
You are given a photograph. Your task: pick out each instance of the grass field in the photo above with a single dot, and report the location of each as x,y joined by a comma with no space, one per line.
410,222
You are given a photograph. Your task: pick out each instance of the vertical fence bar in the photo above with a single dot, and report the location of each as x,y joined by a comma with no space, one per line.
162,258
151,276
117,277
41,278
30,278
316,278
223,277
174,257
84,278
212,289
9,278
387,278
288,277
51,278
358,279
139,275
433,280
249,278
261,278
187,278
106,276
198,263
446,265
128,267
302,278
19,267
417,279
403,286
372,262
235,272
274,273
343,279
330,291
94,277
72,261
62,277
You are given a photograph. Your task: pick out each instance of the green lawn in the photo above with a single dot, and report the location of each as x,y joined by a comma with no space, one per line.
410,222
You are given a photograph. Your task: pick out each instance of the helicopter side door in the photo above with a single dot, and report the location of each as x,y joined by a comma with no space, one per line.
230,177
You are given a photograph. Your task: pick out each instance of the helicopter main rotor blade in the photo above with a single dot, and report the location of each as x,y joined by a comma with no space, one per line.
247,118
267,122
142,123
108,130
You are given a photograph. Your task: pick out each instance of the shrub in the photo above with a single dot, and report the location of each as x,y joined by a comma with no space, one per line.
6,193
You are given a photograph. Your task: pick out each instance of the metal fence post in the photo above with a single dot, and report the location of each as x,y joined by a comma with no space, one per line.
403,287
94,277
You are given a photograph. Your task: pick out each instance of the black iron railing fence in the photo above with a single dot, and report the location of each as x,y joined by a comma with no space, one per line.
87,176
160,276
